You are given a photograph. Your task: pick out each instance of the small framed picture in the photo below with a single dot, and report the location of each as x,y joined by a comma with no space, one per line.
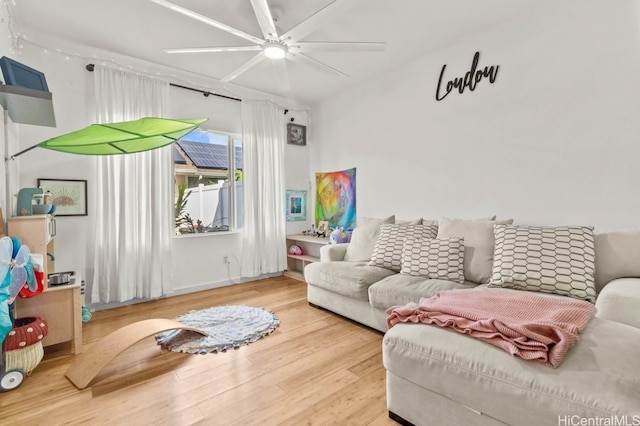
296,134
296,205
68,195
323,227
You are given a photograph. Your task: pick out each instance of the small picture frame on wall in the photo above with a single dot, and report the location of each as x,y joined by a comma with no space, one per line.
296,134
68,195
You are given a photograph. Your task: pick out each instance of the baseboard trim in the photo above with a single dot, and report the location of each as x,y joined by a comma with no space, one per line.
184,290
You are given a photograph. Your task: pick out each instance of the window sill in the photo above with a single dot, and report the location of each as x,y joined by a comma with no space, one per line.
207,234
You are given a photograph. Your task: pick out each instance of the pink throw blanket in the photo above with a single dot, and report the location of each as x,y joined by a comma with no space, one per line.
527,325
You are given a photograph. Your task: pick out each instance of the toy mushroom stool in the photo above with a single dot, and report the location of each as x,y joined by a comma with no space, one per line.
22,350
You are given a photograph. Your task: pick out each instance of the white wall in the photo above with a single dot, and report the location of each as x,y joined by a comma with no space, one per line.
197,261
297,172
554,141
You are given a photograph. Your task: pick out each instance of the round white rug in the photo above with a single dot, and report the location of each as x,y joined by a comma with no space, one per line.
228,326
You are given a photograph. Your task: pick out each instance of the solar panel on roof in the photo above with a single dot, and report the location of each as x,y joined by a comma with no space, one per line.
177,157
209,156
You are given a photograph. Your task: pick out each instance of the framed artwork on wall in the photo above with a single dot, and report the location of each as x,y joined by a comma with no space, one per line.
296,205
68,195
296,134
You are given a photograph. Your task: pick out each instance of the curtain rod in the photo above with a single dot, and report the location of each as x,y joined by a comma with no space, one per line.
206,93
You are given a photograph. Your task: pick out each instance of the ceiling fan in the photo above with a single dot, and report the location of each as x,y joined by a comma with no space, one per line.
274,46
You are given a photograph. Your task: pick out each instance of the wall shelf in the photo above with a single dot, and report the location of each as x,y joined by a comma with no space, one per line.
28,106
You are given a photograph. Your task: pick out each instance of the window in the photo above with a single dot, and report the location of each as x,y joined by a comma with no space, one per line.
208,182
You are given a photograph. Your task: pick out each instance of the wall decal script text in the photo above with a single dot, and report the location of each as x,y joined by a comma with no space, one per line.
470,79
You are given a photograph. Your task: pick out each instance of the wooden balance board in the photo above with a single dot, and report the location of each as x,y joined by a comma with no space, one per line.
88,364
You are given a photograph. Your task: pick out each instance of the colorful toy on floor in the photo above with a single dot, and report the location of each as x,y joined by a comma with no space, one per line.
21,338
22,351
86,314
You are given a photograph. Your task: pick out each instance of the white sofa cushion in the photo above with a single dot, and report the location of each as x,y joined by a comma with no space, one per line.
436,258
333,252
387,252
364,237
479,244
401,289
598,376
417,221
559,260
620,301
617,256
350,279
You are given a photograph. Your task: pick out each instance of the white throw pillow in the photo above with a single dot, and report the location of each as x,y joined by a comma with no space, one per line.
441,259
478,244
559,260
364,237
387,252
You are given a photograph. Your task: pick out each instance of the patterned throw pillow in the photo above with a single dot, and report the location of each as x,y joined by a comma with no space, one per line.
441,259
387,252
558,260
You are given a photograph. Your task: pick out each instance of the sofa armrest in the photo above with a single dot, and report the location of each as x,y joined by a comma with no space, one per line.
333,252
619,301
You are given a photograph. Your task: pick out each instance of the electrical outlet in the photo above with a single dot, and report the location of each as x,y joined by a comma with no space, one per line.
225,259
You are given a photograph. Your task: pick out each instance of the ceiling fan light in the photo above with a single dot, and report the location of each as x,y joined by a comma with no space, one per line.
274,50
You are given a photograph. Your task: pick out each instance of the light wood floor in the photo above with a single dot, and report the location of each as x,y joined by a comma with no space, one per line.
316,368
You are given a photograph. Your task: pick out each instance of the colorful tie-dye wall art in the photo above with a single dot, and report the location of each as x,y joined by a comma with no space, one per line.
336,198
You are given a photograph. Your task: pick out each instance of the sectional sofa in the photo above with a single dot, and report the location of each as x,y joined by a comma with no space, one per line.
438,376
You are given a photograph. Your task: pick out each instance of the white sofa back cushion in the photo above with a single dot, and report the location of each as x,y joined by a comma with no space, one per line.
617,256
619,301
364,237
479,244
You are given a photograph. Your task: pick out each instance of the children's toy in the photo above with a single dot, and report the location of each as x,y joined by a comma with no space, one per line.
339,235
86,314
21,349
295,250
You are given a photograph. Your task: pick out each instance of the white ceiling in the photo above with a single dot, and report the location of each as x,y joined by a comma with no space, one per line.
141,29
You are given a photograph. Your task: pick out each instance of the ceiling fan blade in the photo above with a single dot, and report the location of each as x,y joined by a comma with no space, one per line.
204,19
313,22
242,68
213,49
337,46
314,63
265,20
285,81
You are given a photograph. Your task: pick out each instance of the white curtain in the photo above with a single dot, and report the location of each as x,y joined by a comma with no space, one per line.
263,144
134,200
